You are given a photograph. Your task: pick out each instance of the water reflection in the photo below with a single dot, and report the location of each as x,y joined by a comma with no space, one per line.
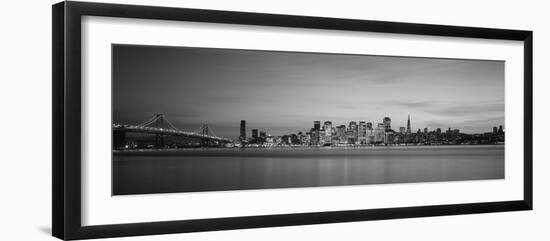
238,169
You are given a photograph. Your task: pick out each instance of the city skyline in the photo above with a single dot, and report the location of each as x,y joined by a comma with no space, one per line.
248,130
282,92
364,133
357,134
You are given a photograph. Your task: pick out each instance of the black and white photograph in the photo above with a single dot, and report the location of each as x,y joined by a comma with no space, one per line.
290,120
192,119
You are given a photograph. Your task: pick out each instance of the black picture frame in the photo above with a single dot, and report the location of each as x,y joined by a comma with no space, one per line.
66,127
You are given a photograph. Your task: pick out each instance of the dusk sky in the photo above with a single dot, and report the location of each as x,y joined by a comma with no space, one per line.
284,92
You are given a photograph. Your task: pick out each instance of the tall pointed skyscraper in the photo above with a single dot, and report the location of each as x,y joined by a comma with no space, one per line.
409,124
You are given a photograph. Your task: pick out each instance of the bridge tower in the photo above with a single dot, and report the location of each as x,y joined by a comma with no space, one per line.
204,131
159,138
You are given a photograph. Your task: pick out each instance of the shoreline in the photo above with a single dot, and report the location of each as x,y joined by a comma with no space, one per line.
289,148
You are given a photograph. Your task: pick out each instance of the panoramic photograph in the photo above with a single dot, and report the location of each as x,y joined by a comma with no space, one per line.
189,119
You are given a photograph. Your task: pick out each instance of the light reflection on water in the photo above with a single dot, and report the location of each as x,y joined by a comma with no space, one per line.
238,169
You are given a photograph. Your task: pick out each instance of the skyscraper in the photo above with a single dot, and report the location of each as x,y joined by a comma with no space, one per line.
322,137
353,127
352,132
317,125
370,135
315,132
242,136
380,133
327,126
387,123
263,137
409,124
362,132
341,133
369,125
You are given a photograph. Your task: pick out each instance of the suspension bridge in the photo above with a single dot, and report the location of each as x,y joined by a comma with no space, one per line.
161,127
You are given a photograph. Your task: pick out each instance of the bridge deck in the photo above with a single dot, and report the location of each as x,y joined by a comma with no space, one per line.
164,131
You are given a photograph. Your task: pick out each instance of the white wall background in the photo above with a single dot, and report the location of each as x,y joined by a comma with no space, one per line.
25,117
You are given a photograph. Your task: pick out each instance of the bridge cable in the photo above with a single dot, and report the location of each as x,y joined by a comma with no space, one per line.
212,131
171,126
150,121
